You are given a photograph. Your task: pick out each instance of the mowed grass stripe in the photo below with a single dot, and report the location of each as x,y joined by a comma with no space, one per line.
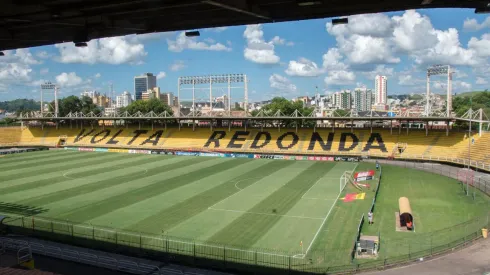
73,204
30,169
14,160
58,158
249,228
135,213
170,217
165,163
101,163
66,184
96,170
134,196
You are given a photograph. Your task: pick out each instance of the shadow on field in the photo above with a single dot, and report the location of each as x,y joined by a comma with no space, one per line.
225,263
19,209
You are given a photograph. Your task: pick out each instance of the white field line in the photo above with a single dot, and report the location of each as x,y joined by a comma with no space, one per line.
266,214
227,248
325,219
232,194
238,181
322,178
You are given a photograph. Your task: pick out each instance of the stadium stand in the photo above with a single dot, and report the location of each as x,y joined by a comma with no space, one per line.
10,136
360,142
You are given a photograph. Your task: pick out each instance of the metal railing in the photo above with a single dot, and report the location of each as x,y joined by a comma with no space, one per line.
224,257
84,258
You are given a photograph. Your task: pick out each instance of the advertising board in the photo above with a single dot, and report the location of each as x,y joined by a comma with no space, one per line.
363,176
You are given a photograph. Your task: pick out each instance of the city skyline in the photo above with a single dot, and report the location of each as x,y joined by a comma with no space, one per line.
288,59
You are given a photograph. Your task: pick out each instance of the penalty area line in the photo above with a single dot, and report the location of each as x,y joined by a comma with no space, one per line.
266,214
325,219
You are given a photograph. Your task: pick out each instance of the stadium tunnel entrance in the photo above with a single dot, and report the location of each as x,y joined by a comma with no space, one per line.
406,218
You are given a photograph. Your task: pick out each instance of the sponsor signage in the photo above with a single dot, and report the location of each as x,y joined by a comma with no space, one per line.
244,156
146,152
348,159
278,157
362,176
82,149
266,157
113,150
209,155
101,150
187,154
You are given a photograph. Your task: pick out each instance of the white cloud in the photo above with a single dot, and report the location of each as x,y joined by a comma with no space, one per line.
378,39
15,67
408,80
448,50
178,65
459,73
217,29
481,81
458,86
303,67
380,70
43,54
363,44
276,40
161,75
183,42
473,25
463,85
257,50
413,32
282,84
68,79
340,78
375,25
112,50
332,60
14,72
97,75
44,71
480,46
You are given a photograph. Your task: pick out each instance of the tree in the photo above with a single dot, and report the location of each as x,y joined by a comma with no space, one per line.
20,105
154,104
474,100
287,108
75,104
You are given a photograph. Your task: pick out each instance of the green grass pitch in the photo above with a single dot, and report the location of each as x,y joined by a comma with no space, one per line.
248,203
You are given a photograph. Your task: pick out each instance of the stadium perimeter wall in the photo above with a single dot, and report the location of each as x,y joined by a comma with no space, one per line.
379,143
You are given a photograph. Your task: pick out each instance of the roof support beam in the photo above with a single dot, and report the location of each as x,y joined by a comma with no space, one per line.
243,8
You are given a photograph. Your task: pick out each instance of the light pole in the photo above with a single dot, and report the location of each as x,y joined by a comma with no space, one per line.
50,86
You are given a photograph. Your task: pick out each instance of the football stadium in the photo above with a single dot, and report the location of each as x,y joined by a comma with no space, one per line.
229,174
226,198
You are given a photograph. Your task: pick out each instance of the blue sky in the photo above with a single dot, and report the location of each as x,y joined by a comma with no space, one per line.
288,59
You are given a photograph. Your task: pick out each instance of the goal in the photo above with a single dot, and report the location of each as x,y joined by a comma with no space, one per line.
347,177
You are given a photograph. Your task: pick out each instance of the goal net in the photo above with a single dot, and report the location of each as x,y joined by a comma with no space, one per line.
347,177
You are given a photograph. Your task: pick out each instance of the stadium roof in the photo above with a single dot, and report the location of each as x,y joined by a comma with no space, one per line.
28,23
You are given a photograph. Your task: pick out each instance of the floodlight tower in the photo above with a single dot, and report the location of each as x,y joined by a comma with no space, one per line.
440,70
49,87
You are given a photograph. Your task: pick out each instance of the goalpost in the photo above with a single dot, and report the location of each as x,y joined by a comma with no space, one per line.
347,177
